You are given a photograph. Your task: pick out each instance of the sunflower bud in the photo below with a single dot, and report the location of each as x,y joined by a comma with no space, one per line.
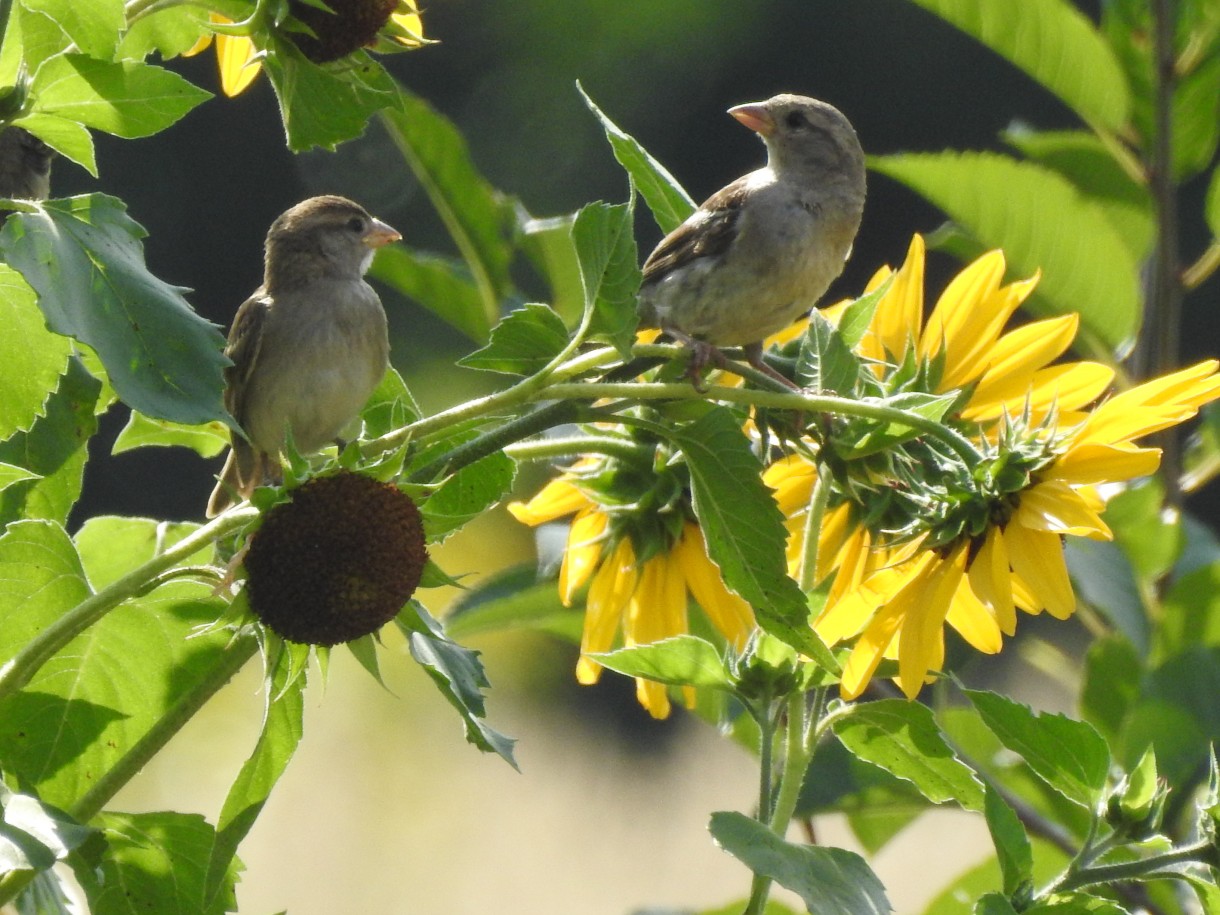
353,25
337,561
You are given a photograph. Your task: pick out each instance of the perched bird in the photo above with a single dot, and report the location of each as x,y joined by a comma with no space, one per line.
25,165
309,346
760,252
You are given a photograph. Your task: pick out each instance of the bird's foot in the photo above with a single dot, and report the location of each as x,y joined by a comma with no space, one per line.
702,354
754,356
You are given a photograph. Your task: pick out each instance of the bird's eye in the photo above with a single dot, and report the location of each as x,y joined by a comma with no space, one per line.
795,119
356,224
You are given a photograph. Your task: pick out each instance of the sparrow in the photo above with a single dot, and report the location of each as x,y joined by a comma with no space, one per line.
25,165
308,347
760,252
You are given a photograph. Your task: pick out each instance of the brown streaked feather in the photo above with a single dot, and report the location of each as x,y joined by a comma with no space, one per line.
709,237
245,341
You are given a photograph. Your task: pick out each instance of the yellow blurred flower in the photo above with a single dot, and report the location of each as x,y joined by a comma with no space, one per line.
983,553
644,598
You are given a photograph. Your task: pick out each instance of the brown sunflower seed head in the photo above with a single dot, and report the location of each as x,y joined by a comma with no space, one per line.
337,561
353,25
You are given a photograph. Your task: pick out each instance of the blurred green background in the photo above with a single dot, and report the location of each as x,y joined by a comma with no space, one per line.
385,808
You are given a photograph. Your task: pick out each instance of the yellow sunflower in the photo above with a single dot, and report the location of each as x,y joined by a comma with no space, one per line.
240,60
979,553
643,596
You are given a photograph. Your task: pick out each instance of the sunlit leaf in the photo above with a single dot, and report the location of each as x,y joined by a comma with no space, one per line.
525,341
1043,224
668,202
31,357
68,138
54,449
156,862
142,431
468,493
1053,42
94,27
443,285
1070,756
684,660
128,99
609,269
904,739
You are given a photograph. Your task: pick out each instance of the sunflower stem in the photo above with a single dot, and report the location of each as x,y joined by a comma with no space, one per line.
576,445
22,667
1109,874
813,527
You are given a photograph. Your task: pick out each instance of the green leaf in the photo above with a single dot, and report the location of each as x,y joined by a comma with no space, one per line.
669,203
83,257
1191,612
548,243
169,32
1111,684
509,600
40,575
1070,756
54,449
391,406
34,835
1054,43
128,99
476,216
1011,843
826,363
1176,715
156,862
831,881
1084,160
1076,904
877,805
442,285
94,26
10,474
994,904
145,432
90,704
1043,223
684,660
31,358
1151,539
323,105
870,436
283,725
1211,206
609,269
66,137
458,673
525,341
1196,118
903,738
744,529
468,493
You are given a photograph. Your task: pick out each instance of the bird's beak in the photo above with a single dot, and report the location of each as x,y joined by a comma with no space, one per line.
756,117
380,234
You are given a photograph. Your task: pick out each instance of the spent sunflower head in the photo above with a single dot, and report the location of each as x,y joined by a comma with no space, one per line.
928,537
322,35
337,561
634,542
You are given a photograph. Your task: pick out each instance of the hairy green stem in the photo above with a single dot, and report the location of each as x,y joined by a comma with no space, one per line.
1109,874
813,528
549,449
22,667
816,403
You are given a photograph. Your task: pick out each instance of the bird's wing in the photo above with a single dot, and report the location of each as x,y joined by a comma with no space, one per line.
245,341
707,233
